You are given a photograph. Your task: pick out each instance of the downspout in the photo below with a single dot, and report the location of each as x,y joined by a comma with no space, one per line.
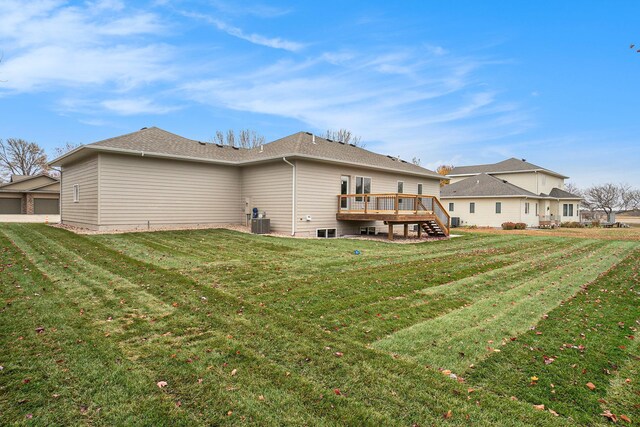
293,196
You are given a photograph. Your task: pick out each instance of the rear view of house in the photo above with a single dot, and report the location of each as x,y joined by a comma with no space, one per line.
306,185
513,190
30,194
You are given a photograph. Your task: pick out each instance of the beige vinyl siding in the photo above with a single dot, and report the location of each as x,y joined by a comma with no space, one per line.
139,191
55,186
269,186
318,187
29,183
526,180
84,213
485,212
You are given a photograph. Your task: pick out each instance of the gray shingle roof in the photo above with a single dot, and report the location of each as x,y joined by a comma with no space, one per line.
302,144
509,165
483,185
557,193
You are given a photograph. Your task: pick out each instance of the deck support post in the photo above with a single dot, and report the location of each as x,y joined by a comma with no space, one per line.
390,236
406,231
419,231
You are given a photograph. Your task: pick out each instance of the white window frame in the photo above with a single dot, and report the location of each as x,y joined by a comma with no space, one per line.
498,208
326,233
398,187
526,208
363,186
419,189
472,207
76,193
452,206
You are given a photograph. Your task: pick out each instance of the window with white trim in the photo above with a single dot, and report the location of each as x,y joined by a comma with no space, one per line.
419,188
567,209
326,233
451,206
526,208
76,193
498,207
472,207
363,186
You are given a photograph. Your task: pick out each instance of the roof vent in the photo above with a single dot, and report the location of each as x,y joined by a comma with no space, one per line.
261,148
524,160
330,140
391,157
202,143
143,128
313,139
477,181
219,145
403,161
308,133
505,181
353,145
235,148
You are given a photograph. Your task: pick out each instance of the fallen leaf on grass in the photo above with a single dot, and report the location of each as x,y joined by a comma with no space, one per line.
234,372
625,418
539,407
40,329
608,414
261,398
338,354
591,386
337,392
447,414
554,412
162,384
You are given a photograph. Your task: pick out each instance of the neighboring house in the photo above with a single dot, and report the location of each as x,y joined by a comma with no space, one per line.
30,194
509,191
153,178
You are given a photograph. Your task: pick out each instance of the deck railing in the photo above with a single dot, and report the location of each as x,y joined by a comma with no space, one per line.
394,204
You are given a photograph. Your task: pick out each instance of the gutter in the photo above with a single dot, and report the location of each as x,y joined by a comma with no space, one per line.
293,196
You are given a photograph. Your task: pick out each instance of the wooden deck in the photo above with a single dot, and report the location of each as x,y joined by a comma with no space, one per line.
396,208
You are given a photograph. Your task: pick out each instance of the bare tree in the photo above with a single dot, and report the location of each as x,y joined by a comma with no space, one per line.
606,197
67,147
572,188
20,157
246,138
629,198
444,170
344,135
250,139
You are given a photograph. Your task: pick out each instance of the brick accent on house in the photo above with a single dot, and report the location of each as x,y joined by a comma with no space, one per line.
27,204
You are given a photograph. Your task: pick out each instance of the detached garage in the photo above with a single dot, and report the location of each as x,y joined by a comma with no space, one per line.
30,195
12,206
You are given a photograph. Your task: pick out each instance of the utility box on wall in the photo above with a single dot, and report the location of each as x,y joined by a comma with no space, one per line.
261,225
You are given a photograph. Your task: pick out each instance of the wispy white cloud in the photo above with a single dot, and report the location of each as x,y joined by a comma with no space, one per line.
272,42
400,102
128,107
51,45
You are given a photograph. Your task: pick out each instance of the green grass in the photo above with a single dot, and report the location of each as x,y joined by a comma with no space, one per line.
244,329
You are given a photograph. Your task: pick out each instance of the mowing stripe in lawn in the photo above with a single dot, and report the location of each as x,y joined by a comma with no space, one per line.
376,389
591,338
465,336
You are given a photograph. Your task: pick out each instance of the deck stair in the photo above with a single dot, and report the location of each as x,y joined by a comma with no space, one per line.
432,229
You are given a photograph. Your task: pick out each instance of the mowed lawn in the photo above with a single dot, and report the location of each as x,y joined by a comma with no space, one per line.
257,330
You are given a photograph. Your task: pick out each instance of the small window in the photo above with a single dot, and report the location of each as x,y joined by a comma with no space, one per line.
451,206
419,188
326,233
498,207
472,207
76,193
526,208
567,209
536,209
400,187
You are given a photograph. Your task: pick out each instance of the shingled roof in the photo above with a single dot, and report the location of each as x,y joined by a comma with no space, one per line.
484,185
155,141
505,166
557,193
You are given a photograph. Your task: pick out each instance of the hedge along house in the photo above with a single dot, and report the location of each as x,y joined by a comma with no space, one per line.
29,195
509,191
307,185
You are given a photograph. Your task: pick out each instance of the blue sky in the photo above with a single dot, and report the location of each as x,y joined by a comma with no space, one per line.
460,82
